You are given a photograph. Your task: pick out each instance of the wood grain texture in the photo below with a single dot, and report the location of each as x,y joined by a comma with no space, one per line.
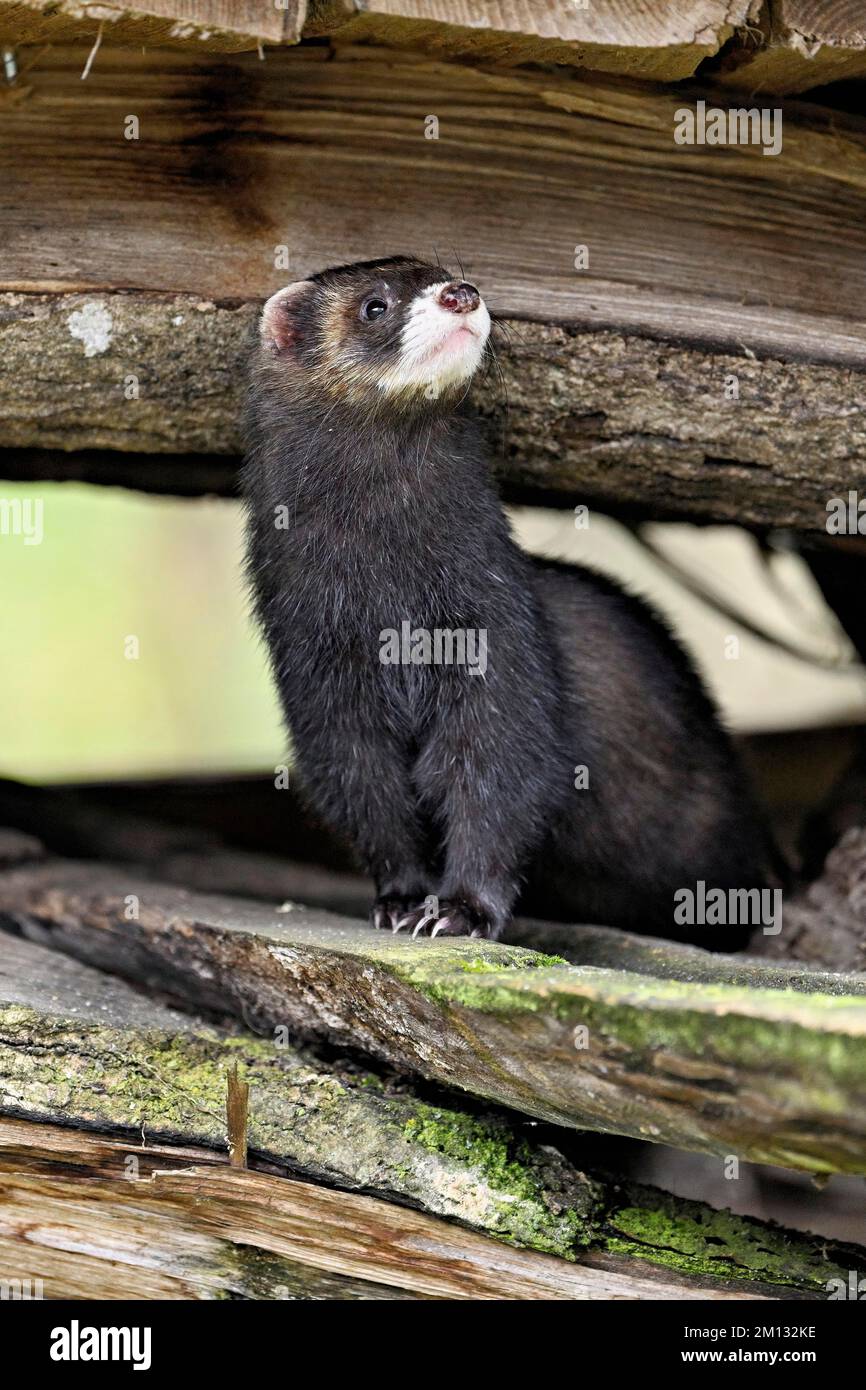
328,158
219,26
635,37
785,46
616,374
699,259
189,1229
775,1075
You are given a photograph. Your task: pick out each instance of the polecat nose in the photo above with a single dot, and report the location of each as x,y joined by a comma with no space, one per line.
459,297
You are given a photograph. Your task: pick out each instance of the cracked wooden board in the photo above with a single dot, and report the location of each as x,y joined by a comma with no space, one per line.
774,1075
84,1049
803,44
190,1229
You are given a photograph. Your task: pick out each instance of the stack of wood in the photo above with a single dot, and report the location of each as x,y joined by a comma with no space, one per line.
682,338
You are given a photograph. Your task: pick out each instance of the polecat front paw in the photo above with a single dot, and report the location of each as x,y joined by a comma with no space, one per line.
447,917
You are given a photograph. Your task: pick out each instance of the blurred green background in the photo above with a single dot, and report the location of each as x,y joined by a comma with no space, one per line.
113,564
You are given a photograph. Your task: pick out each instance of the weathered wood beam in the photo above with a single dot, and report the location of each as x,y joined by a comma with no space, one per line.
219,26
774,1075
634,37
803,44
238,158
78,1046
638,38
84,1049
777,46
784,46
187,1228
604,418
619,375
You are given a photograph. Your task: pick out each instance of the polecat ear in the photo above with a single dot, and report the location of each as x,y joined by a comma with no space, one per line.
278,325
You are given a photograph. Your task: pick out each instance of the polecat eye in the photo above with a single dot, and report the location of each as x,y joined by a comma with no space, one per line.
373,309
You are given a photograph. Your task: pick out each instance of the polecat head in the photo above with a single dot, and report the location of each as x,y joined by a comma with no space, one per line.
386,332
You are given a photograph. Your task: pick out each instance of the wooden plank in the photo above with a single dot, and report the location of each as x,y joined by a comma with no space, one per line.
177,831
219,26
236,159
638,38
622,36
83,1049
766,966
774,1075
806,44
617,376
187,1229
604,418
197,1231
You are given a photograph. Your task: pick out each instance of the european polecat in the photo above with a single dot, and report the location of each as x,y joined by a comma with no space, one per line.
477,722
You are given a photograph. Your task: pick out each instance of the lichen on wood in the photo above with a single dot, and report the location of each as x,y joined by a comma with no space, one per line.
691,1236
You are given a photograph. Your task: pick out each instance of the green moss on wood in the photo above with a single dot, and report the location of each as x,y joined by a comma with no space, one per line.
695,1239
556,1207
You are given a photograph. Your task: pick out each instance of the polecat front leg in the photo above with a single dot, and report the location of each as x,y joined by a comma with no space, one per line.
372,804
486,780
